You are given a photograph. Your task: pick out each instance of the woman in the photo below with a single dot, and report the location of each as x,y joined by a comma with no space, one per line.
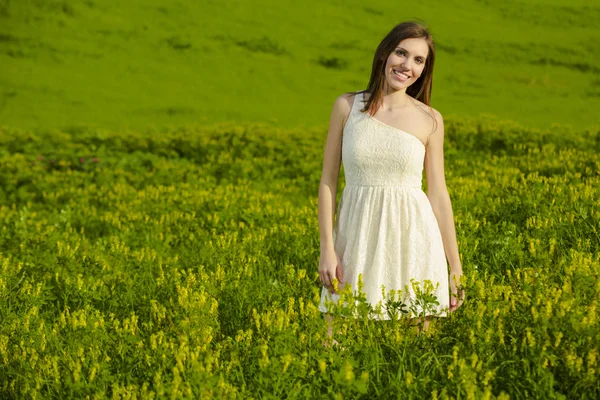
387,229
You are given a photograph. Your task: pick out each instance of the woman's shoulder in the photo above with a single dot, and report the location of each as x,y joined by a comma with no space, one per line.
431,118
432,112
347,98
343,103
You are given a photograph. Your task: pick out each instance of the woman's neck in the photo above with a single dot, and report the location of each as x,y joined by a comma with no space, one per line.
394,99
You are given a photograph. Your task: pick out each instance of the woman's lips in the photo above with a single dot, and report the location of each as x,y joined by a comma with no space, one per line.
401,76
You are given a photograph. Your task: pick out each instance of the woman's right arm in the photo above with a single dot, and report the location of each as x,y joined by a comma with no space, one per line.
329,266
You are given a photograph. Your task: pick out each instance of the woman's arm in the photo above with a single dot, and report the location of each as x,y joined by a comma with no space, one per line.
328,265
331,168
438,196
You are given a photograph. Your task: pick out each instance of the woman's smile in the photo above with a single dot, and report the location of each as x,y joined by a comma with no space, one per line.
400,75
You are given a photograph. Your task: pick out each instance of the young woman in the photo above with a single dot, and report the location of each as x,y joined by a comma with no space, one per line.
387,228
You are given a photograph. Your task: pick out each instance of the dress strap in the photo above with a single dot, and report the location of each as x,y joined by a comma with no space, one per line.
356,104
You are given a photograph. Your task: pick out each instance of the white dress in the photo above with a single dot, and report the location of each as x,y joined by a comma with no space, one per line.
385,227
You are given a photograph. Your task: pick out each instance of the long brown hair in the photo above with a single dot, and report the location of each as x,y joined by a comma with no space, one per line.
421,88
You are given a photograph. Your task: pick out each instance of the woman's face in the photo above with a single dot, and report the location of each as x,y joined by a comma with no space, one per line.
406,63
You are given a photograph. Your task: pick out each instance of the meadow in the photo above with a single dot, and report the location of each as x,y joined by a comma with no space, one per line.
145,64
159,171
183,264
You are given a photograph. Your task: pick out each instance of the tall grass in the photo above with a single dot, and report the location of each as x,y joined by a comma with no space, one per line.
183,263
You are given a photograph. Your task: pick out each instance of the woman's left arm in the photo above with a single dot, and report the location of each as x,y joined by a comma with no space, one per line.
438,196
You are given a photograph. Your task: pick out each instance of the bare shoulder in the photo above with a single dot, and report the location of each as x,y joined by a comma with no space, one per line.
429,110
434,116
438,121
343,106
344,102
437,115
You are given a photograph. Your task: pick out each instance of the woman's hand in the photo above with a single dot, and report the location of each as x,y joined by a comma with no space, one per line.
330,267
457,294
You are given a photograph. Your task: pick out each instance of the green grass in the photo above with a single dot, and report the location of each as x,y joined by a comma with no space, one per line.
138,261
184,263
150,63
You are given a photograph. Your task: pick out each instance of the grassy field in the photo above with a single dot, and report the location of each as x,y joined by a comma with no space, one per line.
183,264
141,64
159,167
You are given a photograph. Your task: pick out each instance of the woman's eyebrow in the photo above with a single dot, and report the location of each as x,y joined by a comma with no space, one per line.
408,52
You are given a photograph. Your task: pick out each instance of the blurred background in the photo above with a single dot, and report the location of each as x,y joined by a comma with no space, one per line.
136,63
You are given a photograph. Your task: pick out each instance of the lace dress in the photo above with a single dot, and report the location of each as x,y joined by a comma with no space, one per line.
385,227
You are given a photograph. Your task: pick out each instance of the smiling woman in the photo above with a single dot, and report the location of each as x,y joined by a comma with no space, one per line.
403,61
388,232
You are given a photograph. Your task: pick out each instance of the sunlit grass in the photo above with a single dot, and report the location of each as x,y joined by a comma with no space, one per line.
149,63
183,263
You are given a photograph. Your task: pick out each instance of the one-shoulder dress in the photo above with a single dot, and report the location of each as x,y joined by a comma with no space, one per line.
385,228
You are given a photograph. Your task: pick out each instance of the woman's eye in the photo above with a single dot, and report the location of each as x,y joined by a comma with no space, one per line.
400,52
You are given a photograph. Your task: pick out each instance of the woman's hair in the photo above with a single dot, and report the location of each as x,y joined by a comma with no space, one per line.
421,88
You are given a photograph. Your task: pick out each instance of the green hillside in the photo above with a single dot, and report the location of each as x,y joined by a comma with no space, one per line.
154,63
